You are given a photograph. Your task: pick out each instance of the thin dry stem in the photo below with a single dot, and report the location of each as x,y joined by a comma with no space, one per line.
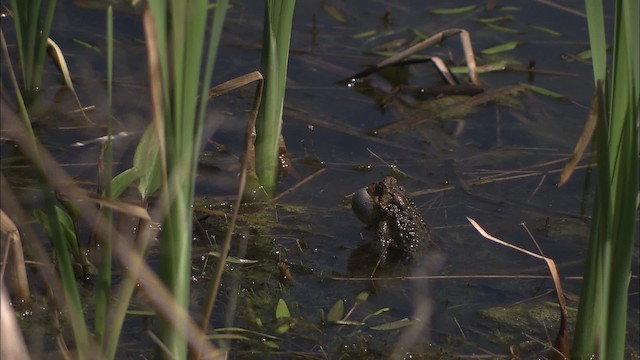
298,184
246,160
13,259
465,39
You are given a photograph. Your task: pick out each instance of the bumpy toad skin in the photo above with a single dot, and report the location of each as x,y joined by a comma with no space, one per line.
400,227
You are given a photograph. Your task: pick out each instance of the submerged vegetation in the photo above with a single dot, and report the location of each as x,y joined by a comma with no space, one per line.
150,261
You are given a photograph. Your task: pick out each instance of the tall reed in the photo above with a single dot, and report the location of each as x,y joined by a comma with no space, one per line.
103,288
276,38
602,316
33,24
179,92
179,31
53,218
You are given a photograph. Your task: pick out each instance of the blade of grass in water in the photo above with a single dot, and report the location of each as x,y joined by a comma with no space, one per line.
60,241
275,59
597,39
32,32
180,64
602,315
103,290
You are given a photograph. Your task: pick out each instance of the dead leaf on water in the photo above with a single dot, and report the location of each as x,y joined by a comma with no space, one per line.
585,137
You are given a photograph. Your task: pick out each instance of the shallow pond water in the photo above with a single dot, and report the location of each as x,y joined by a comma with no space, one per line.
498,165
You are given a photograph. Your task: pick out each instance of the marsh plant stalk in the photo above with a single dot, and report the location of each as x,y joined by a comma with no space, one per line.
276,37
60,235
33,24
179,28
103,288
602,315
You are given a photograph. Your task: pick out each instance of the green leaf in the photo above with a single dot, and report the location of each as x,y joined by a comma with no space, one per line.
601,324
87,45
398,324
69,207
121,182
545,29
275,57
336,312
350,322
141,312
226,337
500,65
364,34
493,23
419,34
283,327
543,91
493,19
146,162
455,10
243,330
66,223
42,218
271,344
362,297
282,311
383,310
233,259
146,167
508,46
584,55
503,28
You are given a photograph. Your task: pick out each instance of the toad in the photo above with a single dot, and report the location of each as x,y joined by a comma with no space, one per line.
400,229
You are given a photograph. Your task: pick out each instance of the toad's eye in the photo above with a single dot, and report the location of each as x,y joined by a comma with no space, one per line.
379,190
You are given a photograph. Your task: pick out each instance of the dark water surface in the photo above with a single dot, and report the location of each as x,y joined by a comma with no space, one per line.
519,144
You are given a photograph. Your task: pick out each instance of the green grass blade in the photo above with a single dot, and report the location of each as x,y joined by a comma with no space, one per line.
69,284
103,289
623,141
19,8
602,316
32,32
275,59
591,315
219,15
42,46
597,38
184,106
60,239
